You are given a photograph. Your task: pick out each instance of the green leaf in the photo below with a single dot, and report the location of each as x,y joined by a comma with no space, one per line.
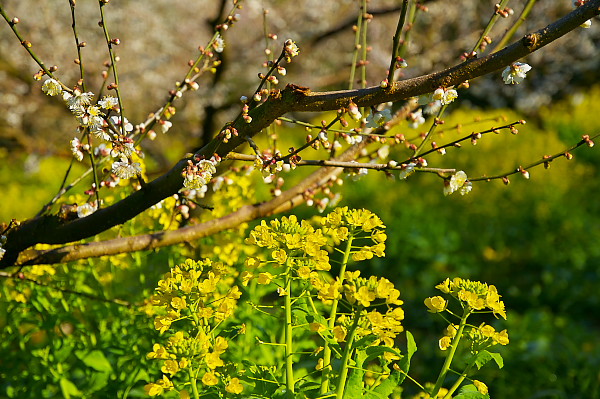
355,384
95,359
470,392
396,378
68,388
484,356
498,359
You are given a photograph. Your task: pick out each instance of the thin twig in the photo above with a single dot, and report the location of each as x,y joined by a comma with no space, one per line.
396,42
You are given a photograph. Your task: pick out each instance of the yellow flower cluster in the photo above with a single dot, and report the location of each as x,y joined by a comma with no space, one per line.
298,244
192,293
359,223
486,335
472,294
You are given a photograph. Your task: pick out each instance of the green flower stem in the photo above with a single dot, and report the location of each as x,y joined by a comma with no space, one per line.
460,379
289,364
194,383
332,316
450,357
341,385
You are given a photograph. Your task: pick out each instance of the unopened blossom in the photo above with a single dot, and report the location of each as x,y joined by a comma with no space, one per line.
445,96
125,170
52,87
515,73
354,112
86,209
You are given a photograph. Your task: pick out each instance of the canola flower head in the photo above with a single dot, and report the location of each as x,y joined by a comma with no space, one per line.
473,294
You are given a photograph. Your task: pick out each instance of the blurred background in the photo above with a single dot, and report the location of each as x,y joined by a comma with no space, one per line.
536,240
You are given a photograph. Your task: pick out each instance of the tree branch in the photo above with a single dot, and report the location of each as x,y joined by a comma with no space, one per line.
51,229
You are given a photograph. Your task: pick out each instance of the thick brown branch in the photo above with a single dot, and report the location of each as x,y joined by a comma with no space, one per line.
52,230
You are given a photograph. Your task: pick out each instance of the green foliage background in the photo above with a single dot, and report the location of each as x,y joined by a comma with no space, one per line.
535,240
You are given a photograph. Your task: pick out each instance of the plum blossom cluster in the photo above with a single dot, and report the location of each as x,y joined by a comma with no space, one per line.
193,294
199,172
96,119
444,96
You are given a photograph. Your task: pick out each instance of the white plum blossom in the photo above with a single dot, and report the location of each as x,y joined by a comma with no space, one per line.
466,188
353,139
165,126
407,170
515,73
109,102
76,149
432,107
116,120
379,118
52,87
458,181
90,117
125,170
416,118
86,209
219,44
79,100
291,50
445,96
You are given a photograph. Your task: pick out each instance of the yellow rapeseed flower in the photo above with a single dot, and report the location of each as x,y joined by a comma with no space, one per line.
234,386
436,304
210,378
